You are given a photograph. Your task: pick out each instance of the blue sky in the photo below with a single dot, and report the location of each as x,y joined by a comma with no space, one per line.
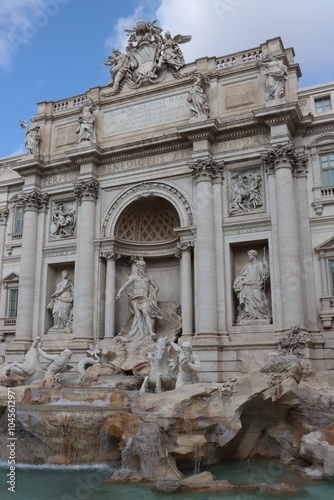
53,49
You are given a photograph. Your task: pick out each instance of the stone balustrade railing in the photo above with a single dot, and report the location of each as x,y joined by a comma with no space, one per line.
68,103
239,58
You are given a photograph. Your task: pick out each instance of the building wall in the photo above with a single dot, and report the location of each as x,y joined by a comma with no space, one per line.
146,142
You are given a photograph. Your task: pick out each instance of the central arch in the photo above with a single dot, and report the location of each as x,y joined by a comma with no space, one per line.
167,191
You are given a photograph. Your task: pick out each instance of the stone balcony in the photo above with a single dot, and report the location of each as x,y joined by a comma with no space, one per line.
323,195
327,311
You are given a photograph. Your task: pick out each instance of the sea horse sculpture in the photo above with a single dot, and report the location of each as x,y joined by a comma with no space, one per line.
162,376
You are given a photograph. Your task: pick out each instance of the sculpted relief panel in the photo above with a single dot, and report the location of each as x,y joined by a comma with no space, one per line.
245,191
63,222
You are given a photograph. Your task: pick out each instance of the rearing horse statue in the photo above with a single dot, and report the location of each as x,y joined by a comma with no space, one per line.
162,376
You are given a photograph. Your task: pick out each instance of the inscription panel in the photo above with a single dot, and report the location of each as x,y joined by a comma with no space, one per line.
146,115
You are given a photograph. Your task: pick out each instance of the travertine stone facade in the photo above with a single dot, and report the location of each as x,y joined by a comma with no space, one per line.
130,171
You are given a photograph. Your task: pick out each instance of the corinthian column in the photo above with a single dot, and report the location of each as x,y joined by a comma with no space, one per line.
283,162
186,295
32,203
204,172
87,192
109,314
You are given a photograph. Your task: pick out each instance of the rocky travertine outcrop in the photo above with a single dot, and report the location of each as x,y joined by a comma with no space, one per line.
156,435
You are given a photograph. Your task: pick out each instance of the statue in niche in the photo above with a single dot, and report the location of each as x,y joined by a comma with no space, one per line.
59,362
171,53
61,304
249,287
197,96
86,122
246,192
188,364
142,303
277,74
63,221
32,137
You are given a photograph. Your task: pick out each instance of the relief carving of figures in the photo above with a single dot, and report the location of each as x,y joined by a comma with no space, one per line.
277,74
246,191
61,304
63,220
148,55
86,122
32,137
197,95
142,304
249,285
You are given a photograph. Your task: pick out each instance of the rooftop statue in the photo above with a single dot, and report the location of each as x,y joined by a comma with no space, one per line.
86,122
32,137
277,74
148,55
197,95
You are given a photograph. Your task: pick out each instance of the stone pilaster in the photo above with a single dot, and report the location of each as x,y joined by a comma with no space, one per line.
204,172
109,314
283,161
219,245
87,192
186,285
33,202
4,212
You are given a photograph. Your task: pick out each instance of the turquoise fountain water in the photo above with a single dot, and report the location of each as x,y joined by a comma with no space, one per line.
89,483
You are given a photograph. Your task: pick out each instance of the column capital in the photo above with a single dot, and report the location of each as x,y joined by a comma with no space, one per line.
86,190
206,169
4,212
33,200
285,156
182,247
110,255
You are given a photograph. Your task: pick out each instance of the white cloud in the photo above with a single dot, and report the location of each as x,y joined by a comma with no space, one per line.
118,39
19,150
221,27
20,21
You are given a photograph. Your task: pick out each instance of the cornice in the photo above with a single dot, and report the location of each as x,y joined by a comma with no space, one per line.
200,129
34,166
247,227
85,155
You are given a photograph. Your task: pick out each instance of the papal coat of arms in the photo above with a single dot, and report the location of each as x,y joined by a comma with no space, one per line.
148,55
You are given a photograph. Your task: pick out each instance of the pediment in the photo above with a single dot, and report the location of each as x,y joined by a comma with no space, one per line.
11,278
326,246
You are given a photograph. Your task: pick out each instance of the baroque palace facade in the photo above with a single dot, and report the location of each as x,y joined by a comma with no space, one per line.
218,173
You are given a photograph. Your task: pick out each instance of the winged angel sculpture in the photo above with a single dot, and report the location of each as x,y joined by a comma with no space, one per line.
147,56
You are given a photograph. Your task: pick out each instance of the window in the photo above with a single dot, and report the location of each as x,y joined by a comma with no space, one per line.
12,304
323,104
327,169
18,222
